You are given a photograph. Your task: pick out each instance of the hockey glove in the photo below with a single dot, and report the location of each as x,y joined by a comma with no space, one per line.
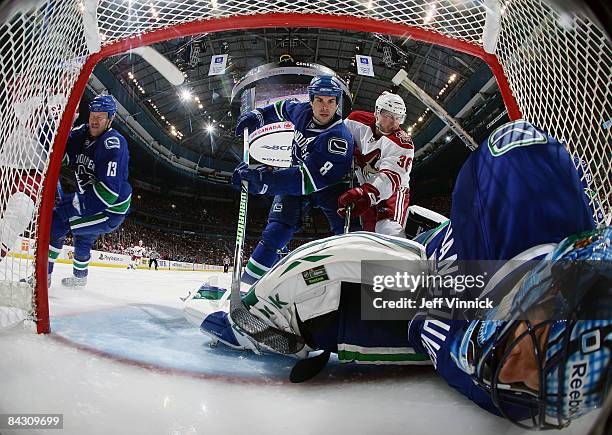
359,198
251,120
255,178
68,207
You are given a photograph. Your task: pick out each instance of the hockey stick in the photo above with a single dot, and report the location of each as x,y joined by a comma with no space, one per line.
401,78
308,368
347,216
166,68
235,297
280,341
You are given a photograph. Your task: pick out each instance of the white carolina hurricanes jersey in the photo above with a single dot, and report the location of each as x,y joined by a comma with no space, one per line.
385,163
138,251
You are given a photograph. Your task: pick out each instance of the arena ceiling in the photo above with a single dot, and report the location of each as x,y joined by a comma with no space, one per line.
204,124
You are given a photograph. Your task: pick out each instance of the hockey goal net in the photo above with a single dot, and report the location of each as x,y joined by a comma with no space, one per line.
553,71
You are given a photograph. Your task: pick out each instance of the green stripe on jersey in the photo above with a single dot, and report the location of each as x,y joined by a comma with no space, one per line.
105,194
86,221
382,358
278,108
308,184
122,207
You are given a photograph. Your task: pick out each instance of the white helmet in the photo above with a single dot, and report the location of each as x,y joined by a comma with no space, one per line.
392,103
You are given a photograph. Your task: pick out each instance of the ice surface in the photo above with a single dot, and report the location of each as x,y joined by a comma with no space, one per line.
121,359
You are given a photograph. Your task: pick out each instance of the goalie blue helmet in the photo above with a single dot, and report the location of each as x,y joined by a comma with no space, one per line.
560,323
328,86
103,103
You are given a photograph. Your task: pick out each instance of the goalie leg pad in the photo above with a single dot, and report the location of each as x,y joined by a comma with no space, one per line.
219,326
207,309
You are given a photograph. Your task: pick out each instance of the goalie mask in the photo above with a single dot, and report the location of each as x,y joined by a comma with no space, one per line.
558,330
390,105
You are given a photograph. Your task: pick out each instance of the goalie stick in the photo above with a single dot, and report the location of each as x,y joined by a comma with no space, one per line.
401,78
280,341
166,68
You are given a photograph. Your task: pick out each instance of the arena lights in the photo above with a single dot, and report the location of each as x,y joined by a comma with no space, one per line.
135,81
185,95
431,13
210,128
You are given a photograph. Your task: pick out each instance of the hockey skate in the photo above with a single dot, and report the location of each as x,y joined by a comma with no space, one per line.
74,281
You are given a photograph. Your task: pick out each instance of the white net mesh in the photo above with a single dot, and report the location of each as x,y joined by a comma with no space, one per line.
559,75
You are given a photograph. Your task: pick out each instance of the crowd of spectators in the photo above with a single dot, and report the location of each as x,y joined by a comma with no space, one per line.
203,231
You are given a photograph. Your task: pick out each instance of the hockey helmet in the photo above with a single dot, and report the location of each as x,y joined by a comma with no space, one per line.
572,349
391,103
328,86
103,103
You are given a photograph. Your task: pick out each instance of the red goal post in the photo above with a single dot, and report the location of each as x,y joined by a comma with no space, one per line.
553,72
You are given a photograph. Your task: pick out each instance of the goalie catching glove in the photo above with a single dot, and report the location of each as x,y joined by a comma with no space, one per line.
360,199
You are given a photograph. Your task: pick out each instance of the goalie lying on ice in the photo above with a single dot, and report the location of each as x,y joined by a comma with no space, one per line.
541,357
518,362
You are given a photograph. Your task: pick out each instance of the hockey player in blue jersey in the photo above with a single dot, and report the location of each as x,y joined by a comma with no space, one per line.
321,159
99,156
541,357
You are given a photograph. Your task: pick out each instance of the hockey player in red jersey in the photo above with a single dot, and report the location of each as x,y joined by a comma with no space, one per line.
383,156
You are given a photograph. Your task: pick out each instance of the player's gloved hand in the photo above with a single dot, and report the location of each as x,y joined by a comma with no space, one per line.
255,178
251,120
68,207
359,199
